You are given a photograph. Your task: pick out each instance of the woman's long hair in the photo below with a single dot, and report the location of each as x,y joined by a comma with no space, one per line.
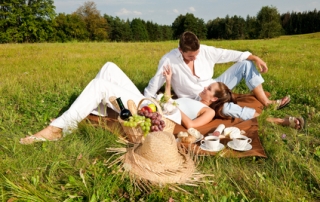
224,95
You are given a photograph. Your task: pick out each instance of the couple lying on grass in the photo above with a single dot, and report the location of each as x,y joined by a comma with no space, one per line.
214,101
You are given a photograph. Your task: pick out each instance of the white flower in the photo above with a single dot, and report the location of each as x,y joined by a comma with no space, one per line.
159,96
168,105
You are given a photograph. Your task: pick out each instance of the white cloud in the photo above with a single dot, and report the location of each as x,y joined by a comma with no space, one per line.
175,11
137,13
124,11
192,9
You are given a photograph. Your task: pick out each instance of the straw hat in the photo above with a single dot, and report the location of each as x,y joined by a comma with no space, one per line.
159,160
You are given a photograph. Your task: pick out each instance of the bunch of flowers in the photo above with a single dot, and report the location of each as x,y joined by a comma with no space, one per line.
168,105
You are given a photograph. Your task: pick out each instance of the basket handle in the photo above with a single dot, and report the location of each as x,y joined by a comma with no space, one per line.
154,102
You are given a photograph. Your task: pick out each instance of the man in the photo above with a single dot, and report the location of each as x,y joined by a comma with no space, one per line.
192,67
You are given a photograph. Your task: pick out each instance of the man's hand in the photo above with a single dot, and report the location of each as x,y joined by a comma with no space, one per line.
259,63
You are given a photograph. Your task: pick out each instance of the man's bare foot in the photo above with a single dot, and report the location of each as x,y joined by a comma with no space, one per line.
289,121
50,133
294,122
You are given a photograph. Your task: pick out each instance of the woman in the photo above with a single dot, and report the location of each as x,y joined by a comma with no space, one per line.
111,81
220,98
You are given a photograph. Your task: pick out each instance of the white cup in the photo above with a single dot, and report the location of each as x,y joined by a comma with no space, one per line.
211,142
241,141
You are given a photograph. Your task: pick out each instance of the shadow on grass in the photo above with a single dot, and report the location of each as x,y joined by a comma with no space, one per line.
72,98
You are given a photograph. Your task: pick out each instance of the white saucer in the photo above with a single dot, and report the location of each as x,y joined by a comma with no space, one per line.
221,147
197,140
231,145
200,138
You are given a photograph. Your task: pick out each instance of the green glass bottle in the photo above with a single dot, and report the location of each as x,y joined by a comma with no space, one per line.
124,112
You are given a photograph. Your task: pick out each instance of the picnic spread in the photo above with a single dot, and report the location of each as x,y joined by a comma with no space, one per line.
227,147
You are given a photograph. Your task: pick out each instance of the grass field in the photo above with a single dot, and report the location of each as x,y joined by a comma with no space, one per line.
39,81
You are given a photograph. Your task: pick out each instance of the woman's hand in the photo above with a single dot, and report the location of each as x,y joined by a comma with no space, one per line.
167,73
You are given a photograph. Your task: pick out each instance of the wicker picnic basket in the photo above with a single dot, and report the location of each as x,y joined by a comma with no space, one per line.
135,134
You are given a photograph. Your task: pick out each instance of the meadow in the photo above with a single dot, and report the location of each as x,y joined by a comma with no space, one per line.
40,81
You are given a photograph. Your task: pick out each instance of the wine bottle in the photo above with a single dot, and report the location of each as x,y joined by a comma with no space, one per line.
124,112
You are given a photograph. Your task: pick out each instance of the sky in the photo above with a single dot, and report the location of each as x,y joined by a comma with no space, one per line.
164,12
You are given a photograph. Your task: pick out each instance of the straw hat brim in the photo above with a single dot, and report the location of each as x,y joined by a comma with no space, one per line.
154,172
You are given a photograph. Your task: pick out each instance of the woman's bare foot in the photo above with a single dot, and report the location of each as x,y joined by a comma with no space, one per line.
50,133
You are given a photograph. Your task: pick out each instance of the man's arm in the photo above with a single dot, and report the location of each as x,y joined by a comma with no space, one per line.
259,63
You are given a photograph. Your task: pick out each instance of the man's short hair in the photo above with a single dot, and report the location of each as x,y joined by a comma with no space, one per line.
189,42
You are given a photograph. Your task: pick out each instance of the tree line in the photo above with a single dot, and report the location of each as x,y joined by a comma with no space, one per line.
36,21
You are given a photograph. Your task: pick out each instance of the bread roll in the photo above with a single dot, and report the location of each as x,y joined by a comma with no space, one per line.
189,139
186,137
132,107
194,133
182,134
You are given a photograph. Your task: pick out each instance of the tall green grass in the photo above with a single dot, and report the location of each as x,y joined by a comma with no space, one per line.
39,81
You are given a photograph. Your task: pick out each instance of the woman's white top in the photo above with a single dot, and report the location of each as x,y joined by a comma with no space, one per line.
190,107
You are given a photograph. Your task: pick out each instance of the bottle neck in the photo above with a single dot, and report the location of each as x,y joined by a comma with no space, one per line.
119,101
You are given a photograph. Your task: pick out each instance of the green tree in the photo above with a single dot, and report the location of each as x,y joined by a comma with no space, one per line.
119,30
97,25
269,23
301,23
285,22
139,31
251,28
189,22
127,30
216,28
228,27
166,32
238,29
178,26
154,31
70,27
26,21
